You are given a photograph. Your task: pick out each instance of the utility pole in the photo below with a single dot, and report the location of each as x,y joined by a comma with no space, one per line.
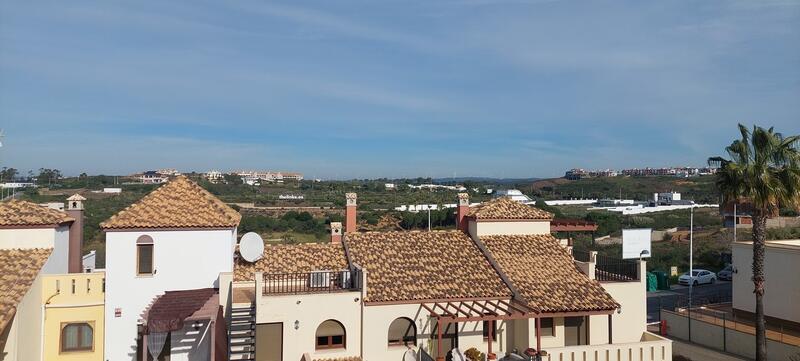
735,220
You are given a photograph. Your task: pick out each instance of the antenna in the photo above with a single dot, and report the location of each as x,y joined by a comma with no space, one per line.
251,247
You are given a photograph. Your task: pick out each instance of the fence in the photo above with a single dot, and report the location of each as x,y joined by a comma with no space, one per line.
673,301
729,333
616,269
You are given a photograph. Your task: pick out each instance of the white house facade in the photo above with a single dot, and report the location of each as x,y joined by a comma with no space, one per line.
178,237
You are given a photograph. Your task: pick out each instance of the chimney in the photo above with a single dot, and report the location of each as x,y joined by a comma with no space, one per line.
350,213
461,212
75,210
336,232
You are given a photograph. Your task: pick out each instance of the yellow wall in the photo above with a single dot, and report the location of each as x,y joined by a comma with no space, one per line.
62,306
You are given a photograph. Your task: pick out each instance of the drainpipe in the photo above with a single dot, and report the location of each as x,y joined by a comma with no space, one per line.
41,338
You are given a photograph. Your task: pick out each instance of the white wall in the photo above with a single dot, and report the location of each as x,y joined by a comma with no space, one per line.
508,228
780,296
182,259
26,238
631,322
310,311
190,344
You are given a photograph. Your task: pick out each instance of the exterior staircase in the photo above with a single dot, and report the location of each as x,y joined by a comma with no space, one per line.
242,333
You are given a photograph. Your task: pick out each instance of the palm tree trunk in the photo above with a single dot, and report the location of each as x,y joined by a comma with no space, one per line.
759,240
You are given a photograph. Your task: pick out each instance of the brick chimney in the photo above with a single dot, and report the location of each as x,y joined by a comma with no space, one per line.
336,232
462,211
75,210
350,213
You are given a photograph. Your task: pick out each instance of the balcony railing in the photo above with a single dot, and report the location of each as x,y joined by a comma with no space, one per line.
616,269
581,255
312,282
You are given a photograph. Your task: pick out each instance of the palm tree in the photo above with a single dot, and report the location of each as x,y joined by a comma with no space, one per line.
763,169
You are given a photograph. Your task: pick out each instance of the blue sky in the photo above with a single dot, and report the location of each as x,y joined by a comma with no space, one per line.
363,88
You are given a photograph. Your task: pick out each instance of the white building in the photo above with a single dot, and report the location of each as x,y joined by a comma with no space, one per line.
214,176
152,177
515,195
178,237
666,198
501,283
781,267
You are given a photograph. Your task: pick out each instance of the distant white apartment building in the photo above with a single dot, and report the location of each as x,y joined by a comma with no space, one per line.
390,186
17,185
269,176
459,188
168,172
153,177
214,176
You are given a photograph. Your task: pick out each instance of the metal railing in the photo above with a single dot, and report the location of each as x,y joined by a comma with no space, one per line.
581,255
616,269
312,282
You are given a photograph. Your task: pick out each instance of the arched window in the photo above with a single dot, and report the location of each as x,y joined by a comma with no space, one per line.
144,255
77,337
330,334
403,331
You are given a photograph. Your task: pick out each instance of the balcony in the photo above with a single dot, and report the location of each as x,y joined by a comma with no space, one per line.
309,282
605,268
651,348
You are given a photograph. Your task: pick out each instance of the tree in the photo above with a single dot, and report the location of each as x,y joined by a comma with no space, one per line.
8,174
763,169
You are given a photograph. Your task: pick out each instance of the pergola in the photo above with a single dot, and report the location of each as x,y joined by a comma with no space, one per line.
477,310
492,310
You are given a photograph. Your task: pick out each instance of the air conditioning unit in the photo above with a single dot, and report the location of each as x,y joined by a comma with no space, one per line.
319,279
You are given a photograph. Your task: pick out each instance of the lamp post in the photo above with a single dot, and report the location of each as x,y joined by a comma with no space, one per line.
691,272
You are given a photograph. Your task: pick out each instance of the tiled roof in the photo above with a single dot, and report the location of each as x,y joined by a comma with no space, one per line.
298,258
18,270
505,208
180,203
16,212
545,274
351,358
406,266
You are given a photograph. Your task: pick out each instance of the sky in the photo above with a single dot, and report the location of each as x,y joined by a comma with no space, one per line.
367,89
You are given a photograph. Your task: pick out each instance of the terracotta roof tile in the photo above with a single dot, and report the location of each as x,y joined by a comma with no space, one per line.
298,258
505,208
405,266
17,212
545,274
180,203
351,358
18,270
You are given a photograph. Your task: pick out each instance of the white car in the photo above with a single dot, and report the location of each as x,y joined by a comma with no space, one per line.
699,276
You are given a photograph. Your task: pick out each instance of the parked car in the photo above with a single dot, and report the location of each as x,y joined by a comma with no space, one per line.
699,276
726,273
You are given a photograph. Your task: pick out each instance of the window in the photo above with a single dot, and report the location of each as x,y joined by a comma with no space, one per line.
77,337
547,326
144,255
402,331
576,331
486,330
330,334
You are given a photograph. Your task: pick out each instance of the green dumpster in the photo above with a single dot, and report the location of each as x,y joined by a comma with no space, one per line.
652,282
662,280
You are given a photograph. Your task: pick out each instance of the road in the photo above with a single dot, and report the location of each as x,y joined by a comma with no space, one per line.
679,296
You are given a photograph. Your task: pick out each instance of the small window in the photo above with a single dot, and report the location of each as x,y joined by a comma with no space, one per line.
547,326
77,337
486,330
330,334
402,331
144,255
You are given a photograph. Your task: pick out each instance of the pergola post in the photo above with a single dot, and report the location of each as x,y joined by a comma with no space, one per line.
489,355
538,335
145,352
439,356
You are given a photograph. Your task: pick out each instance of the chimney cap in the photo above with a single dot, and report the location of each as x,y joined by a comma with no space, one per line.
350,199
463,199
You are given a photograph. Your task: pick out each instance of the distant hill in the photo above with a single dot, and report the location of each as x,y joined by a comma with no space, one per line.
699,189
488,180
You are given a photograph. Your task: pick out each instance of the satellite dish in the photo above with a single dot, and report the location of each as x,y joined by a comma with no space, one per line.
251,247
